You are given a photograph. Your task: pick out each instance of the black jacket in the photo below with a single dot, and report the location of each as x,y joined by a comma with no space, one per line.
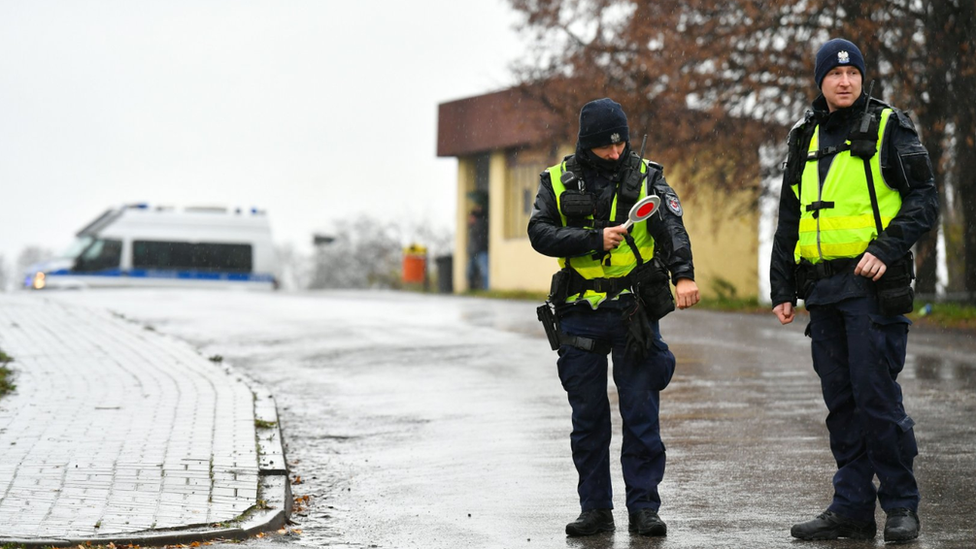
549,237
905,166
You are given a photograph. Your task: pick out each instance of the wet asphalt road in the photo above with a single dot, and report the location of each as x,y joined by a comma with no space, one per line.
438,421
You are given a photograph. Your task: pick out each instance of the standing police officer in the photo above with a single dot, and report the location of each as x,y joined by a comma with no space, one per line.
612,289
857,194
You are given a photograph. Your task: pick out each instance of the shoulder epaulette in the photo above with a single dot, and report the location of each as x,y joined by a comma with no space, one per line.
807,117
904,120
879,104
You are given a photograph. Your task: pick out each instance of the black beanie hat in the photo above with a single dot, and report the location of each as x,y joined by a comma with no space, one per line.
834,53
602,122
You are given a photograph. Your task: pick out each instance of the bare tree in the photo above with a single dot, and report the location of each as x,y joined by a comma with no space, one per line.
718,79
293,271
368,253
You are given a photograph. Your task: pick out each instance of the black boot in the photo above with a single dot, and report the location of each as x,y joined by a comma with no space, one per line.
902,525
591,522
646,523
830,525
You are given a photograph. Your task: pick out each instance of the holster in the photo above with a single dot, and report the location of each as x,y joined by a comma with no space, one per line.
895,293
549,324
549,314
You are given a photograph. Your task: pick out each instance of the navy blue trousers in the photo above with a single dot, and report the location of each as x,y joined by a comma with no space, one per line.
584,376
858,354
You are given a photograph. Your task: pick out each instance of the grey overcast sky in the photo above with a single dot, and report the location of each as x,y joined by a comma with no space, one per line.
315,110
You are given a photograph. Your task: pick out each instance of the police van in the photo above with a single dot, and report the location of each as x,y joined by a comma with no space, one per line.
139,245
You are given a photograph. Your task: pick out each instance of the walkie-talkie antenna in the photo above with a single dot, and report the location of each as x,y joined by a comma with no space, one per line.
866,120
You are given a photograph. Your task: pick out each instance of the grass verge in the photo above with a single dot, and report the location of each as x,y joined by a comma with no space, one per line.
6,375
951,316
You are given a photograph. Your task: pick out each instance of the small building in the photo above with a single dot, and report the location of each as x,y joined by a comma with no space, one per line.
504,140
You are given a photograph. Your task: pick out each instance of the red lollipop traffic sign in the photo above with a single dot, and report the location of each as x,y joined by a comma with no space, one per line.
642,210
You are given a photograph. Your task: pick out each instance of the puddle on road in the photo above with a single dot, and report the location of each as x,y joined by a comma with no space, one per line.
940,368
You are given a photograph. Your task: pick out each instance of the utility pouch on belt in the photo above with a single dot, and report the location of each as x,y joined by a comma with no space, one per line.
805,279
559,287
895,293
653,286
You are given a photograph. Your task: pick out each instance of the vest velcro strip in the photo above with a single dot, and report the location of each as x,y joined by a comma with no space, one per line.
827,151
819,205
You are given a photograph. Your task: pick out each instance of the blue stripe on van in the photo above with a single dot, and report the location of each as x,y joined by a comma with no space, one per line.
170,274
69,272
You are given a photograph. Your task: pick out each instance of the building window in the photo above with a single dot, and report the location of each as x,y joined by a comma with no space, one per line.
522,185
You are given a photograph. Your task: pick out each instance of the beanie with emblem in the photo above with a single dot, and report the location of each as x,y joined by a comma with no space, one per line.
834,53
602,122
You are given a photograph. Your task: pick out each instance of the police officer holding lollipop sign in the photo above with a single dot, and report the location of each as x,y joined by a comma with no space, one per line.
607,298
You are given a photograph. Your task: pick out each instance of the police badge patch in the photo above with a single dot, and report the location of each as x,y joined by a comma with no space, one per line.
843,57
671,201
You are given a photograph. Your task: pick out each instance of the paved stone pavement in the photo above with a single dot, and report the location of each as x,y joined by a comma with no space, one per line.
118,433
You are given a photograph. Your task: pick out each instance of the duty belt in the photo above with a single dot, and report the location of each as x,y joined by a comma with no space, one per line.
568,282
827,269
609,286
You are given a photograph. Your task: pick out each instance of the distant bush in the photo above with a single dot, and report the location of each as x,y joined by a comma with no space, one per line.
6,375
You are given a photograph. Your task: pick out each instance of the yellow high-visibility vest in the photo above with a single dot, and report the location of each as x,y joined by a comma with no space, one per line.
620,261
845,229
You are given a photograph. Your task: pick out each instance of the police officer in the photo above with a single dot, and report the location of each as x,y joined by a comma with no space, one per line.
612,289
857,194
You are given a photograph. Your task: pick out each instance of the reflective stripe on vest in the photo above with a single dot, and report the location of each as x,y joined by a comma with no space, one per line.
845,229
620,261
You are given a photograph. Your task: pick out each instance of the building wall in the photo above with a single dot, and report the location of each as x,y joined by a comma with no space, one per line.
723,230
514,264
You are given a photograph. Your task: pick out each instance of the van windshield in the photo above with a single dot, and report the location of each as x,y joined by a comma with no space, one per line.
76,247
101,255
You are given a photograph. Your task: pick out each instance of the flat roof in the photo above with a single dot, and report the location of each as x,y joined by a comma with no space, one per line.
500,120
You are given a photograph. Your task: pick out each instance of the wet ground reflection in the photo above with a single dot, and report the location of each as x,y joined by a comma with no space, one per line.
960,374
439,422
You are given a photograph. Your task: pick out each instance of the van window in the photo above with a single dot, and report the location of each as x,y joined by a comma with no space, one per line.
100,255
202,256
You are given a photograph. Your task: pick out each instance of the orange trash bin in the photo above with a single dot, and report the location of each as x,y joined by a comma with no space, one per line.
414,264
